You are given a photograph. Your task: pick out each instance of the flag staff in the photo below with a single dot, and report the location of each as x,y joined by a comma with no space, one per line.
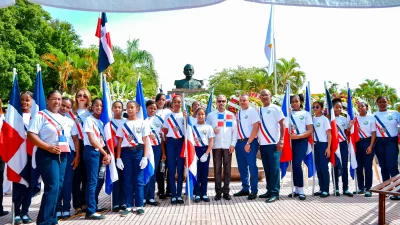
186,150
355,170
12,190
332,166
291,161
275,79
312,145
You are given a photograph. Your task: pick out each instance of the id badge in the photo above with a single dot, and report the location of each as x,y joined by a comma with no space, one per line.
63,144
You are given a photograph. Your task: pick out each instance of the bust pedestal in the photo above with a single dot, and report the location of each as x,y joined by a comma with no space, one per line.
187,91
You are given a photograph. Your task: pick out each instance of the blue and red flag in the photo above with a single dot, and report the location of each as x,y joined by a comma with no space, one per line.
12,139
335,157
209,103
106,57
225,120
308,160
354,137
286,156
105,117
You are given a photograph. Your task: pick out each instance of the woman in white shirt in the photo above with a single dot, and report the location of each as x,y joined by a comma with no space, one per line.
47,131
301,127
322,148
80,111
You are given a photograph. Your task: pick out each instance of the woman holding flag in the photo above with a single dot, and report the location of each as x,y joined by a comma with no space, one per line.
155,123
80,111
386,148
174,129
342,123
47,131
94,154
131,157
322,148
301,127
365,132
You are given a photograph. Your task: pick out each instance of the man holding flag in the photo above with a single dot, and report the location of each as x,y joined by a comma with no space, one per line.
271,138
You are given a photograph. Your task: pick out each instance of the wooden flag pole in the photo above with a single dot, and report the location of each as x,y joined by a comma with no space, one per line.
376,170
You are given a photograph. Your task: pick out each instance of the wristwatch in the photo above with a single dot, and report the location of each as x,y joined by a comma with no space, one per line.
248,143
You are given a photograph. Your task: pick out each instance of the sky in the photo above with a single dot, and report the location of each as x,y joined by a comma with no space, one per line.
339,45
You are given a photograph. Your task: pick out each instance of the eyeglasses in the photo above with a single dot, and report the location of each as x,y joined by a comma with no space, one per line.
80,96
315,107
221,101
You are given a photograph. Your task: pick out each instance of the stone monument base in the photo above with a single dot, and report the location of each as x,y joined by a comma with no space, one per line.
186,91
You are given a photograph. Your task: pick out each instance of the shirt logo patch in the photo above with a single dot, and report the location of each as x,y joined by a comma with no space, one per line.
301,117
365,122
343,124
138,130
318,125
204,132
390,118
268,112
246,116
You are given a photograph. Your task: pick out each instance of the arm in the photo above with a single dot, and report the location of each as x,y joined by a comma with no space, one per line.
210,145
328,149
77,158
371,145
163,153
279,145
253,135
35,139
306,134
145,141
96,144
118,153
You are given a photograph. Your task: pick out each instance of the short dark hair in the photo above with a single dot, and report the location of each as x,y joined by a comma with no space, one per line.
158,96
150,102
66,99
116,102
133,102
382,97
320,103
336,100
51,93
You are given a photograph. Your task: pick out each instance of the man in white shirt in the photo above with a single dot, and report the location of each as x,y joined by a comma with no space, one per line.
247,147
224,124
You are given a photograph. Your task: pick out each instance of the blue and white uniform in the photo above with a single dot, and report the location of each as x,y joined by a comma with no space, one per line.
321,126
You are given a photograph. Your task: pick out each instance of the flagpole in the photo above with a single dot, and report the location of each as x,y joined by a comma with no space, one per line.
355,170
186,151
275,79
12,190
291,161
101,82
312,145
332,166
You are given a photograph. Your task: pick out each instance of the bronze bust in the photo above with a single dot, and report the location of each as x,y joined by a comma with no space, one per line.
189,82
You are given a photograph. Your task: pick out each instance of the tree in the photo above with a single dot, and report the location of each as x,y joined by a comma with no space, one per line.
289,70
370,90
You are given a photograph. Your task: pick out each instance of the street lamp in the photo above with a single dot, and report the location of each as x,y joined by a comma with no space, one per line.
250,81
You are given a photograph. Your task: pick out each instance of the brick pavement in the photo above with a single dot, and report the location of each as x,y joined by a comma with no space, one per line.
315,210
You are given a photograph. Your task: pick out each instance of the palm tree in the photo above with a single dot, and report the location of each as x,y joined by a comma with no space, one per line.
61,63
289,70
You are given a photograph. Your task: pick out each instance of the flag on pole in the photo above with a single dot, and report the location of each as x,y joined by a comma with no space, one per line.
308,160
105,117
209,103
12,139
335,157
286,156
106,57
142,114
269,42
354,137
190,153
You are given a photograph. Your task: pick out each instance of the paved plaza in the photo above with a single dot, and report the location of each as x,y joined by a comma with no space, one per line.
314,210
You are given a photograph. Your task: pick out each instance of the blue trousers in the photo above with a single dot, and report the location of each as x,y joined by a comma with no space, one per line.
52,169
344,155
150,188
22,195
175,165
200,188
118,189
387,151
91,158
271,159
64,200
78,180
321,165
364,164
247,161
133,177
299,150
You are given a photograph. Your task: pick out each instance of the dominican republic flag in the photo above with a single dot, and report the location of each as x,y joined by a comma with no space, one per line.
335,157
209,103
354,137
12,139
106,57
105,117
286,156
269,42
225,120
189,155
308,160
142,114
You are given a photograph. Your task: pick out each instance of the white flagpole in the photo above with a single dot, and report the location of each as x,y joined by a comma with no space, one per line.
312,144
12,190
355,170
186,151
291,161
275,79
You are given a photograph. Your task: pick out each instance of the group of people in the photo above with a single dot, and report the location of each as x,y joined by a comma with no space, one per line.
71,155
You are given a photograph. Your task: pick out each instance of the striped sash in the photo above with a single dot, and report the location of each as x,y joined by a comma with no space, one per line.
173,124
342,136
79,123
240,127
129,135
264,130
62,140
381,127
198,140
294,125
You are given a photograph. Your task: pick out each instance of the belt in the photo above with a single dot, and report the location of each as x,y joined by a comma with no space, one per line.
137,147
365,139
243,139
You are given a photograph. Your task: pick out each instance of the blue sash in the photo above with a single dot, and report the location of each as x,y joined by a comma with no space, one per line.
315,133
341,132
155,134
382,125
114,125
241,127
159,117
176,125
294,123
198,136
265,127
132,135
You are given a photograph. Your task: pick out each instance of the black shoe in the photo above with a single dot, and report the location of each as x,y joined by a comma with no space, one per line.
394,198
168,195
205,198
368,194
337,193
116,209
348,193
197,199
95,217
140,211
180,200
324,195
4,213
302,197
227,196
123,207
359,192
173,201
152,203
124,213
17,220
292,195
162,196
252,196
272,199
26,219
217,197
266,195
318,193
101,209
241,193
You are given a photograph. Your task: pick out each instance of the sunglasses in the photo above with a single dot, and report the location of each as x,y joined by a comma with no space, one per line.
221,101
315,107
80,96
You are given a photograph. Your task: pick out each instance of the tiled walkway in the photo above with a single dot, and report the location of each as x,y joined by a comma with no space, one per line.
315,210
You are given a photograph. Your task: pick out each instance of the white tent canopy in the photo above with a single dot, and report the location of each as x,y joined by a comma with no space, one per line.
163,5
